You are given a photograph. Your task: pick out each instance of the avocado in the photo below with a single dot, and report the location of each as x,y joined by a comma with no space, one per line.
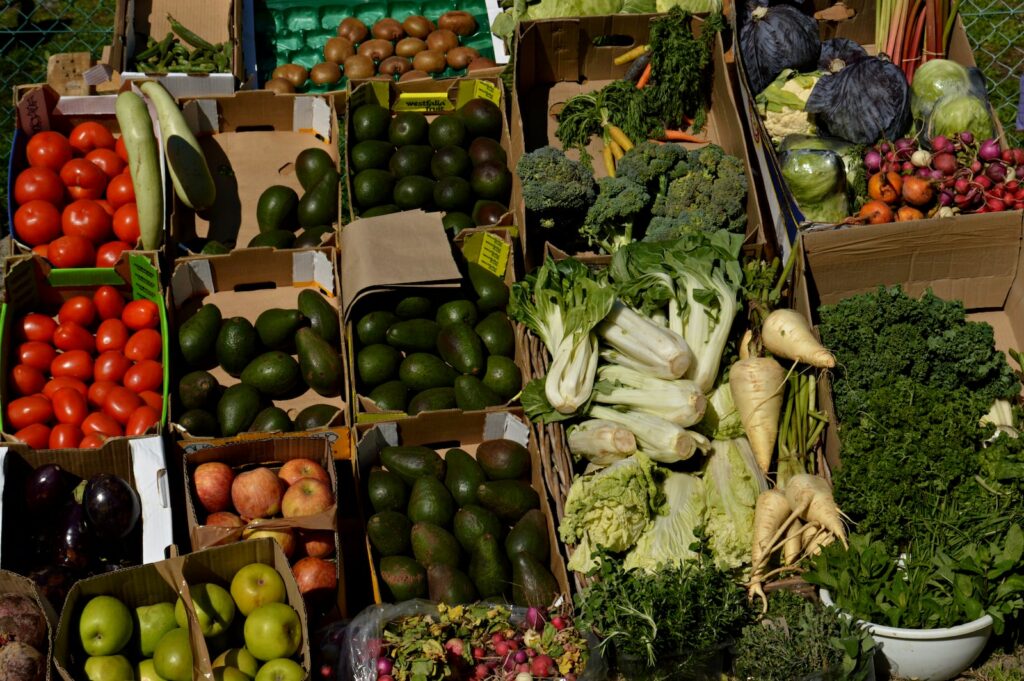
446,131
386,491
319,363
198,390
413,159
323,316
383,209
390,396
214,247
412,307
450,162
430,502
273,373
275,238
484,149
530,535
310,166
199,423
377,364
533,585
413,335
197,336
389,533
370,122
503,377
491,180
414,191
492,293
459,345
276,208
433,545
503,459
408,127
405,578
488,567
489,213
464,475
311,237
372,327
448,584
413,463
371,154
507,499
421,371
237,345
319,205
271,420
482,118
237,409
472,522
276,327
472,395
315,416
372,187
456,311
431,399
495,330
457,221
453,193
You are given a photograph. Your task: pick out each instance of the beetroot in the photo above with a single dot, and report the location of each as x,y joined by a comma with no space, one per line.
22,620
21,662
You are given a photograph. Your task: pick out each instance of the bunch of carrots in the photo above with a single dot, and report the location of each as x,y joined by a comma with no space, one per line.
912,32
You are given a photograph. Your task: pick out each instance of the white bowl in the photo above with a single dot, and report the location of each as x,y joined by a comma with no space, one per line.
928,654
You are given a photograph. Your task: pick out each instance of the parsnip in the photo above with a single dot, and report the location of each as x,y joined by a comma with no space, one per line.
786,333
757,385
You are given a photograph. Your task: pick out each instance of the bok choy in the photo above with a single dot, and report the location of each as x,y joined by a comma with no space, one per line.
679,401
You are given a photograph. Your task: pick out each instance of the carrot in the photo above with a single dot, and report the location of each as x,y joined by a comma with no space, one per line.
645,77
757,385
787,333
794,543
620,137
609,160
812,497
680,136
617,152
635,53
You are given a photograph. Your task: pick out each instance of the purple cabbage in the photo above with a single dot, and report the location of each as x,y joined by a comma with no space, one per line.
845,50
867,101
776,38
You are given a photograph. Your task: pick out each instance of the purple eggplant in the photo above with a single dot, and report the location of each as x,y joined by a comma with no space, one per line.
111,505
73,538
47,488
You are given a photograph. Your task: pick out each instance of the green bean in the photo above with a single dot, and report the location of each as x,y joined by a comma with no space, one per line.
187,35
155,49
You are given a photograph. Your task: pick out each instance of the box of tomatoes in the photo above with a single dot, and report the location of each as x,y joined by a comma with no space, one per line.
84,352
70,195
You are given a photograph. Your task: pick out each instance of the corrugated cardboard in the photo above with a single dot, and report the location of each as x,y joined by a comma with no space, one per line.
247,282
444,432
11,583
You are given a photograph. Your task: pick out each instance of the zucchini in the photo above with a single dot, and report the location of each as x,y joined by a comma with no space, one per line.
144,166
191,176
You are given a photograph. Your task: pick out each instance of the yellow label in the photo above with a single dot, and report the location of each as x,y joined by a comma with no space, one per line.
477,89
427,102
374,92
489,251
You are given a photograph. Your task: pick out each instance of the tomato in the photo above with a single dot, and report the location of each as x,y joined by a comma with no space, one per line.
141,314
100,424
65,436
126,223
111,366
152,399
72,336
141,420
39,184
42,250
88,219
145,375
25,411
26,380
90,135
72,251
37,327
98,392
109,302
120,404
36,436
92,441
73,363
120,191
69,406
37,355
37,222
112,334
84,179
121,149
109,253
77,309
55,384
48,149
144,344
107,160
105,205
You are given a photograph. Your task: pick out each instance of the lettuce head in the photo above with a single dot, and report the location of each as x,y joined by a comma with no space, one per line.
667,542
732,483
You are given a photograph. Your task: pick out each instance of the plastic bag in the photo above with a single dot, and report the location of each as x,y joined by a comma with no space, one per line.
957,113
817,179
847,151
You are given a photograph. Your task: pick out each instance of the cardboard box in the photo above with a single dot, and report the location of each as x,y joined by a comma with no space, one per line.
167,581
250,141
557,59
443,432
11,583
247,282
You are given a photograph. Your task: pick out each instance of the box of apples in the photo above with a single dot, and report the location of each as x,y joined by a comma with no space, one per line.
236,607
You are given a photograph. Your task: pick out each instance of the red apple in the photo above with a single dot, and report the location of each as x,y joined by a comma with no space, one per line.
317,543
296,469
224,519
284,536
314,574
257,494
213,485
306,497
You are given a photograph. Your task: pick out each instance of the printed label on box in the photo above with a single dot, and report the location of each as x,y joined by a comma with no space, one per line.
489,251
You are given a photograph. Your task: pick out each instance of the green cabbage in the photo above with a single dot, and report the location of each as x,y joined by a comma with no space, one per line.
668,541
932,81
954,114
848,151
781,104
732,483
691,6
817,179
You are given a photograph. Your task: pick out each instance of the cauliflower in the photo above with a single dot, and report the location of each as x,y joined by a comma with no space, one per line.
781,105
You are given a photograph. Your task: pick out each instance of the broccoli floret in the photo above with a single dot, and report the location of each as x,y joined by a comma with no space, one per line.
609,222
653,165
555,188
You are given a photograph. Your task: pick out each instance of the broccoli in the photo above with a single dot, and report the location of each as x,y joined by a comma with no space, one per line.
555,188
653,165
609,222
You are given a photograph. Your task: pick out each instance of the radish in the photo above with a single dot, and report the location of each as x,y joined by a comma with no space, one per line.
757,384
786,333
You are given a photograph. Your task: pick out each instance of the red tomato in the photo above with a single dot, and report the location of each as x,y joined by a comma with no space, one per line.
98,392
88,219
152,399
111,335
38,184
25,411
120,191
107,160
84,179
100,424
73,363
72,251
141,314
65,436
109,302
126,223
72,336
48,149
37,355
121,149
144,344
26,380
77,309
69,406
37,222
55,384
36,436
145,375
111,366
109,253
37,327
120,404
105,205
42,250
92,441
90,135
141,420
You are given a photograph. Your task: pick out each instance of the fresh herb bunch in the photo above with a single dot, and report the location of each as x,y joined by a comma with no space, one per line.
619,103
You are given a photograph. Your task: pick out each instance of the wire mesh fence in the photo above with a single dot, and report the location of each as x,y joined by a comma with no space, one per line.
995,29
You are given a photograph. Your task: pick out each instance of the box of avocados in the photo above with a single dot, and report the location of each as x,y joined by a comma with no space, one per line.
456,509
274,161
259,340
430,145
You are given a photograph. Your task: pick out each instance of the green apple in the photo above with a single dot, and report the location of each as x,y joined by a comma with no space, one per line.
173,656
281,670
273,630
105,626
239,658
256,584
229,674
108,668
151,623
214,609
146,671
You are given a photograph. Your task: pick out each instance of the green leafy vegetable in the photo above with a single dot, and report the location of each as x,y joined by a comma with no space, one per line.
668,541
556,189
732,483
609,223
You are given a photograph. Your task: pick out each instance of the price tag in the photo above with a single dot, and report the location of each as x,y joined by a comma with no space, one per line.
427,102
489,251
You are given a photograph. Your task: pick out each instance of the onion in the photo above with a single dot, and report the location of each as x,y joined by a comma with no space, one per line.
873,161
944,162
941,143
384,665
904,144
967,137
989,150
535,619
996,172
945,212
945,199
924,173
520,656
921,158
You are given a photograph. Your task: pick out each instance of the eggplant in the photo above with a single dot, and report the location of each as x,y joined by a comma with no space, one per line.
47,488
111,505
72,542
54,582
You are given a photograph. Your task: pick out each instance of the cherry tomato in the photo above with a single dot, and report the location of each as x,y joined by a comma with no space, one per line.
120,404
120,191
100,424
87,219
77,309
141,314
37,222
109,253
55,384
72,251
112,334
111,366
72,336
144,344
141,420
109,302
121,149
107,160
37,355
65,436
84,179
26,380
152,399
69,406
145,375
25,411
98,392
36,436
73,363
92,441
126,223
42,250
105,205
90,135
48,149
38,184
37,327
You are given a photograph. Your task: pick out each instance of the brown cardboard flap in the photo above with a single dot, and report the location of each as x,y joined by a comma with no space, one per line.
205,536
11,583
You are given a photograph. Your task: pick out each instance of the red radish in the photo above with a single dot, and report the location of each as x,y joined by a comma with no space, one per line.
989,150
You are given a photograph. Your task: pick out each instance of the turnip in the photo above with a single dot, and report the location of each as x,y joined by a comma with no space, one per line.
757,384
786,333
